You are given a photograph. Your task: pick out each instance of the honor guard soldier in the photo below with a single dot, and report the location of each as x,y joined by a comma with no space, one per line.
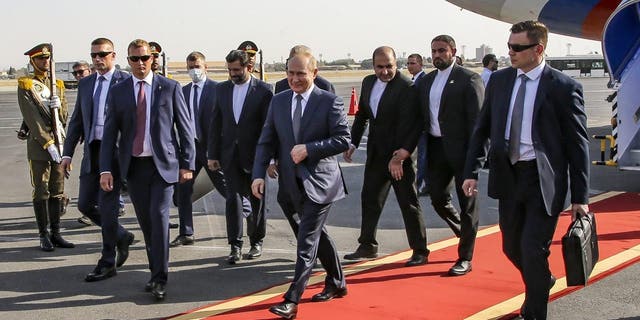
38,107
252,50
159,64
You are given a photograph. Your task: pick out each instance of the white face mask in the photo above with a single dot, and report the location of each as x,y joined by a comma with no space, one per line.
197,74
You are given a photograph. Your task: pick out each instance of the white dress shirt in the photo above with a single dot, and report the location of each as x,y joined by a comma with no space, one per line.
485,75
435,96
526,145
376,94
148,82
305,98
99,125
239,95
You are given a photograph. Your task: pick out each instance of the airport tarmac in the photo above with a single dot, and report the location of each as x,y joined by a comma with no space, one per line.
39,285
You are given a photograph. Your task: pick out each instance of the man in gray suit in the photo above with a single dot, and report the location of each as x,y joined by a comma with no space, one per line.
539,143
306,128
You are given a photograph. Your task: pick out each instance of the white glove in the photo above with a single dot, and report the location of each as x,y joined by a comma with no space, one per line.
53,152
54,102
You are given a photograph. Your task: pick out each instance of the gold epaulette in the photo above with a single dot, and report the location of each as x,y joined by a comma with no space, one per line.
25,83
59,84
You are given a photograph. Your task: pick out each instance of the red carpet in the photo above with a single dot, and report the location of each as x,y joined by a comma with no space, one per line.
391,291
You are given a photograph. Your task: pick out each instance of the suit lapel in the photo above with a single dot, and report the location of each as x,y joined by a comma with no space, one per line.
156,87
90,85
385,94
543,85
503,106
445,90
309,111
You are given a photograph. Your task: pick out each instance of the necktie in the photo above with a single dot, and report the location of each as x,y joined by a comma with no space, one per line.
297,115
516,121
196,110
96,108
141,121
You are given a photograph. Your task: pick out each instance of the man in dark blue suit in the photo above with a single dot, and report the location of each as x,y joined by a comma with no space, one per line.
282,85
87,124
305,129
156,150
241,107
539,146
200,95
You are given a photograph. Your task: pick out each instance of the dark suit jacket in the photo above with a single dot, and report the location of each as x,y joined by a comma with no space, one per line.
82,118
558,132
319,81
228,137
205,112
459,107
323,129
172,149
397,124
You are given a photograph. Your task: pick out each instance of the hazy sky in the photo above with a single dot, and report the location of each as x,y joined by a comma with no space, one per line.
333,29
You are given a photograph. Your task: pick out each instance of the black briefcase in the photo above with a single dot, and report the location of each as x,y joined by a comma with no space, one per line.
580,250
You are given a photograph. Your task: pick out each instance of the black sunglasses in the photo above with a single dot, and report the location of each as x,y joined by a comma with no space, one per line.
138,58
102,54
77,72
520,47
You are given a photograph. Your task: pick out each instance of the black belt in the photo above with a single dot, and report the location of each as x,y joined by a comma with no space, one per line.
525,164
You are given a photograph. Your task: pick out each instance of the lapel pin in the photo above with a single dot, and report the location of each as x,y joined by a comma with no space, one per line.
452,81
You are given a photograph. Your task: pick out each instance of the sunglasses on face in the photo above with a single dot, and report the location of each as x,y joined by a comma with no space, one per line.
138,58
100,54
520,47
79,72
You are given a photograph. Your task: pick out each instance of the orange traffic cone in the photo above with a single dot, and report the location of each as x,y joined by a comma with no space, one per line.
353,106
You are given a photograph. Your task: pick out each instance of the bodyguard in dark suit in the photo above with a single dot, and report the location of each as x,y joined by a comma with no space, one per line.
200,96
388,107
535,118
450,98
282,85
87,124
238,116
306,128
156,150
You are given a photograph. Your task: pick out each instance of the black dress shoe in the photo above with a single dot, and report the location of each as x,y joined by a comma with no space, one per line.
58,241
461,267
122,248
100,273
287,310
363,252
328,294
148,286
255,252
416,259
173,225
183,240
234,255
158,290
45,243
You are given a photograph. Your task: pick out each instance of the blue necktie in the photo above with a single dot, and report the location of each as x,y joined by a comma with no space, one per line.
516,121
196,110
96,108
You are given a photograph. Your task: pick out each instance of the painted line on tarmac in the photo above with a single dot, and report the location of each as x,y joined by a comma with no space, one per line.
279,290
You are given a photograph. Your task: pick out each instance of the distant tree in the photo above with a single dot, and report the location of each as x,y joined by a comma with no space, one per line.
12,71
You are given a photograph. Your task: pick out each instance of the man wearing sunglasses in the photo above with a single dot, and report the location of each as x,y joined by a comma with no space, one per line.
535,118
252,51
81,69
87,123
490,64
450,98
149,128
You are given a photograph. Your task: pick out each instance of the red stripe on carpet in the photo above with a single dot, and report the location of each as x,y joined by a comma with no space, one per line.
395,292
